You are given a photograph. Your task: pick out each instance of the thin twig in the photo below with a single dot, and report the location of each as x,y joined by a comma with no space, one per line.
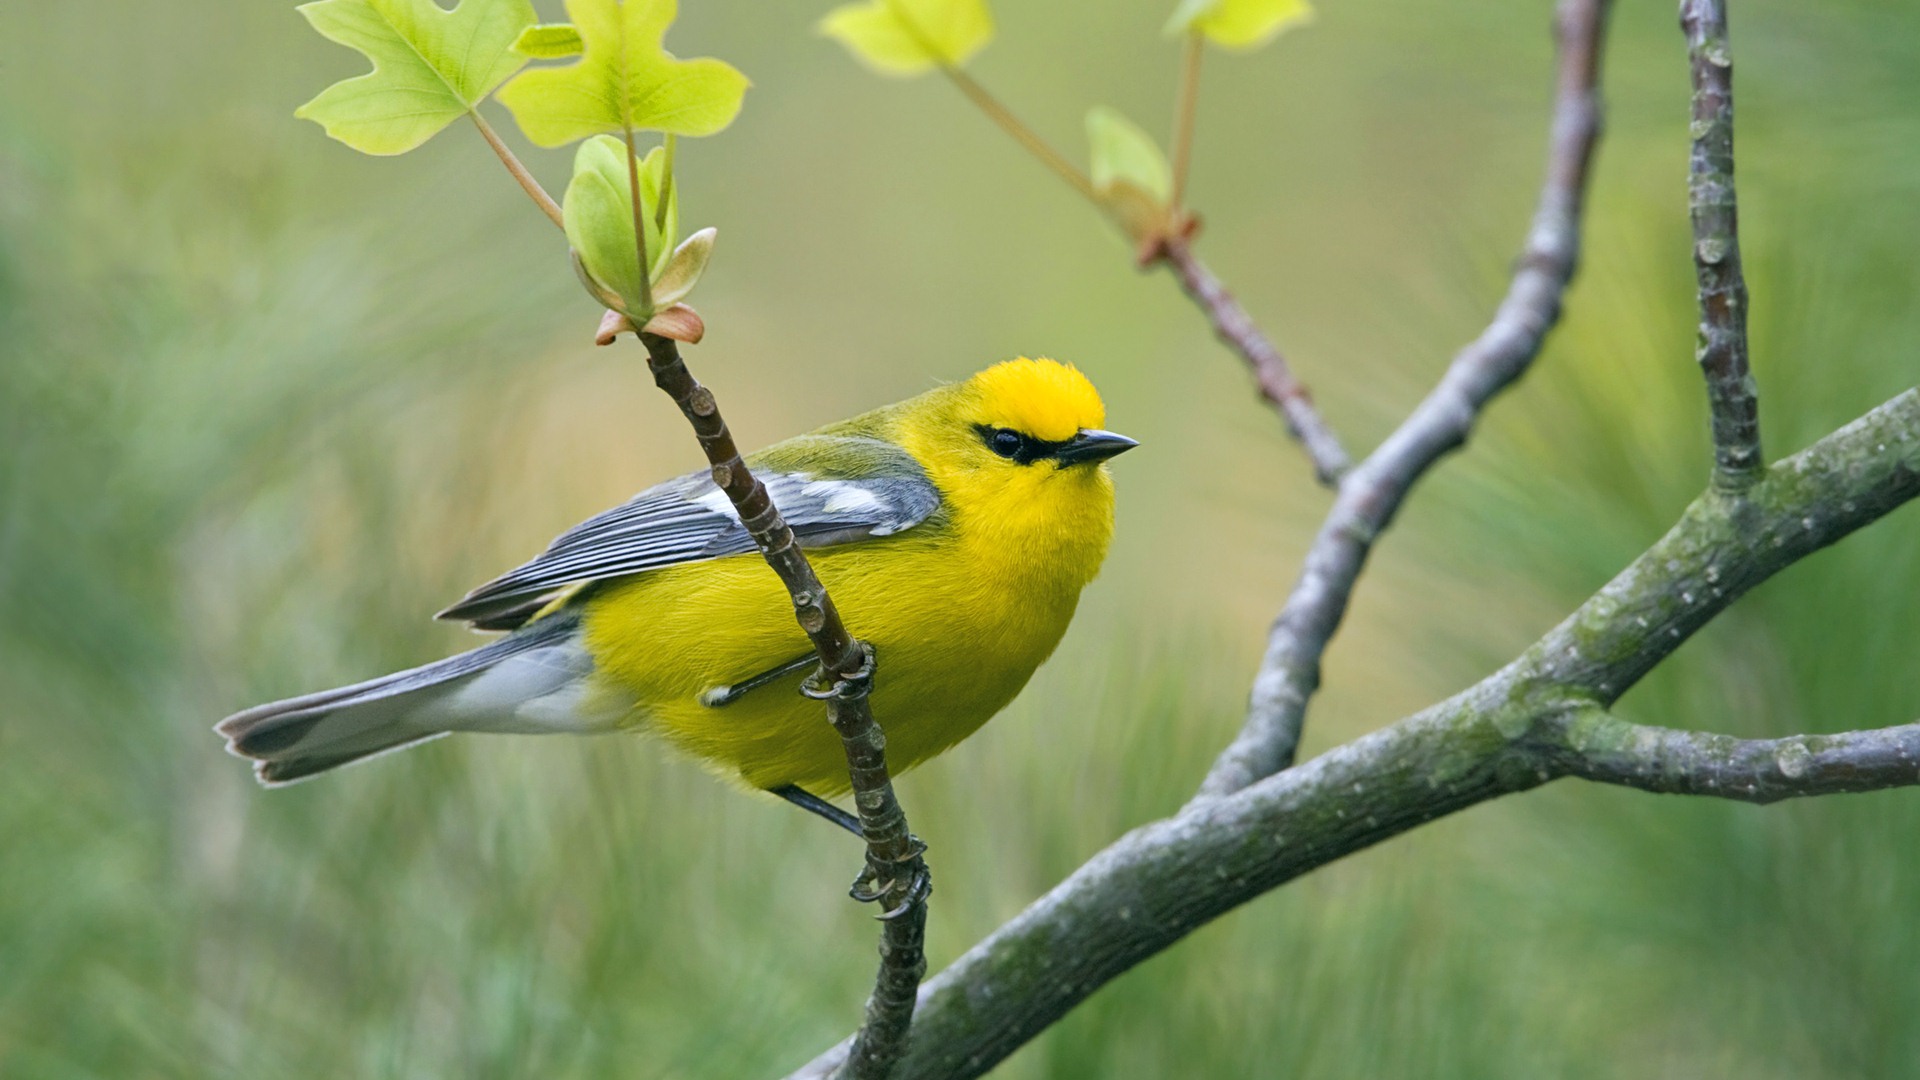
1028,138
1372,492
1230,321
527,183
990,105
1536,719
1191,53
844,681
1722,348
1232,325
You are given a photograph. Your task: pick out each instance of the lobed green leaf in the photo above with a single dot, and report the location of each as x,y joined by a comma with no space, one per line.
1239,24
624,80
430,65
909,37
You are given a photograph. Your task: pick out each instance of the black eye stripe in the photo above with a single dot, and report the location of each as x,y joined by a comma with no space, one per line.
1018,447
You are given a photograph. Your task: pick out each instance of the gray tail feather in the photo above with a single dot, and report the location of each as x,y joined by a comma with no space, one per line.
300,737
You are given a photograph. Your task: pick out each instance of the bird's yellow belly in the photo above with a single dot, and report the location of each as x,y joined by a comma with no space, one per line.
954,642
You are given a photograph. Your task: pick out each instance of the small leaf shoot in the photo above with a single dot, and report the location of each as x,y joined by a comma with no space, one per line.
683,268
1131,178
599,212
1123,152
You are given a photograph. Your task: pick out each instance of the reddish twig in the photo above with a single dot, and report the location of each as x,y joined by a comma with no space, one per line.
1232,325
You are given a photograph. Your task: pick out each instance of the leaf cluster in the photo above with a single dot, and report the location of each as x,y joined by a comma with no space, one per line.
432,65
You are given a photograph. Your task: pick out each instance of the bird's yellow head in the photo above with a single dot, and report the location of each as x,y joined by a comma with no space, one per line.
1018,451
1041,399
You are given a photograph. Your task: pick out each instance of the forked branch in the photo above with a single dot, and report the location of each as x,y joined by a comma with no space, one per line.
1539,718
1258,824
1371,494
1230,322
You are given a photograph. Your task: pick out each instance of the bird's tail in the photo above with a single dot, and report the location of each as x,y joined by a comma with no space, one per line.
533,680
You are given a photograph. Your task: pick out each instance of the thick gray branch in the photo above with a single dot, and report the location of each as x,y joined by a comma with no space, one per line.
1722,349
1372,492
1723,546
1534,720
1599,747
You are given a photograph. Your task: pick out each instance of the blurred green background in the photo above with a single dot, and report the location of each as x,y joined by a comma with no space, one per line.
266,403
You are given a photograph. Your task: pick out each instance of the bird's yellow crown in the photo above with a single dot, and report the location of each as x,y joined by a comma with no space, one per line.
1042,398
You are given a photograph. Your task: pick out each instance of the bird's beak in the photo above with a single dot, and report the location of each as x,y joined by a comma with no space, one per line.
1093,445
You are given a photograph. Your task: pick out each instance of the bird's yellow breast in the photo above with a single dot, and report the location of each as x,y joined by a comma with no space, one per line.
960,613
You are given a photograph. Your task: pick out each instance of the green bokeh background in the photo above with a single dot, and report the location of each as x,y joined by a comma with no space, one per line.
265,403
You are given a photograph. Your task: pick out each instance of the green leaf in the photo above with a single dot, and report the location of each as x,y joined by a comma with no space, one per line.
599,220
550,41
908,37
1131,177
1239,24
683,270
1121,151
430,65
624,81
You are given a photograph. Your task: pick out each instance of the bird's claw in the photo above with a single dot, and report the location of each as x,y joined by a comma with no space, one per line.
877,881
919,887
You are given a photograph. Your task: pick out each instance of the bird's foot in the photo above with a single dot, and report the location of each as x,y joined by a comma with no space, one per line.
882,878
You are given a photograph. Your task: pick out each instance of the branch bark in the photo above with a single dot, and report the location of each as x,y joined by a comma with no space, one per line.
1604,749
1233,326
1371,494
895,867
1722,349
1539,718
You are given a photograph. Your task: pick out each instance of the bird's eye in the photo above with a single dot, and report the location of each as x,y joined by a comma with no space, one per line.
1005,443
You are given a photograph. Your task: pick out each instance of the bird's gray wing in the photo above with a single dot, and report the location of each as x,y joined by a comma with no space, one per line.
871,488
